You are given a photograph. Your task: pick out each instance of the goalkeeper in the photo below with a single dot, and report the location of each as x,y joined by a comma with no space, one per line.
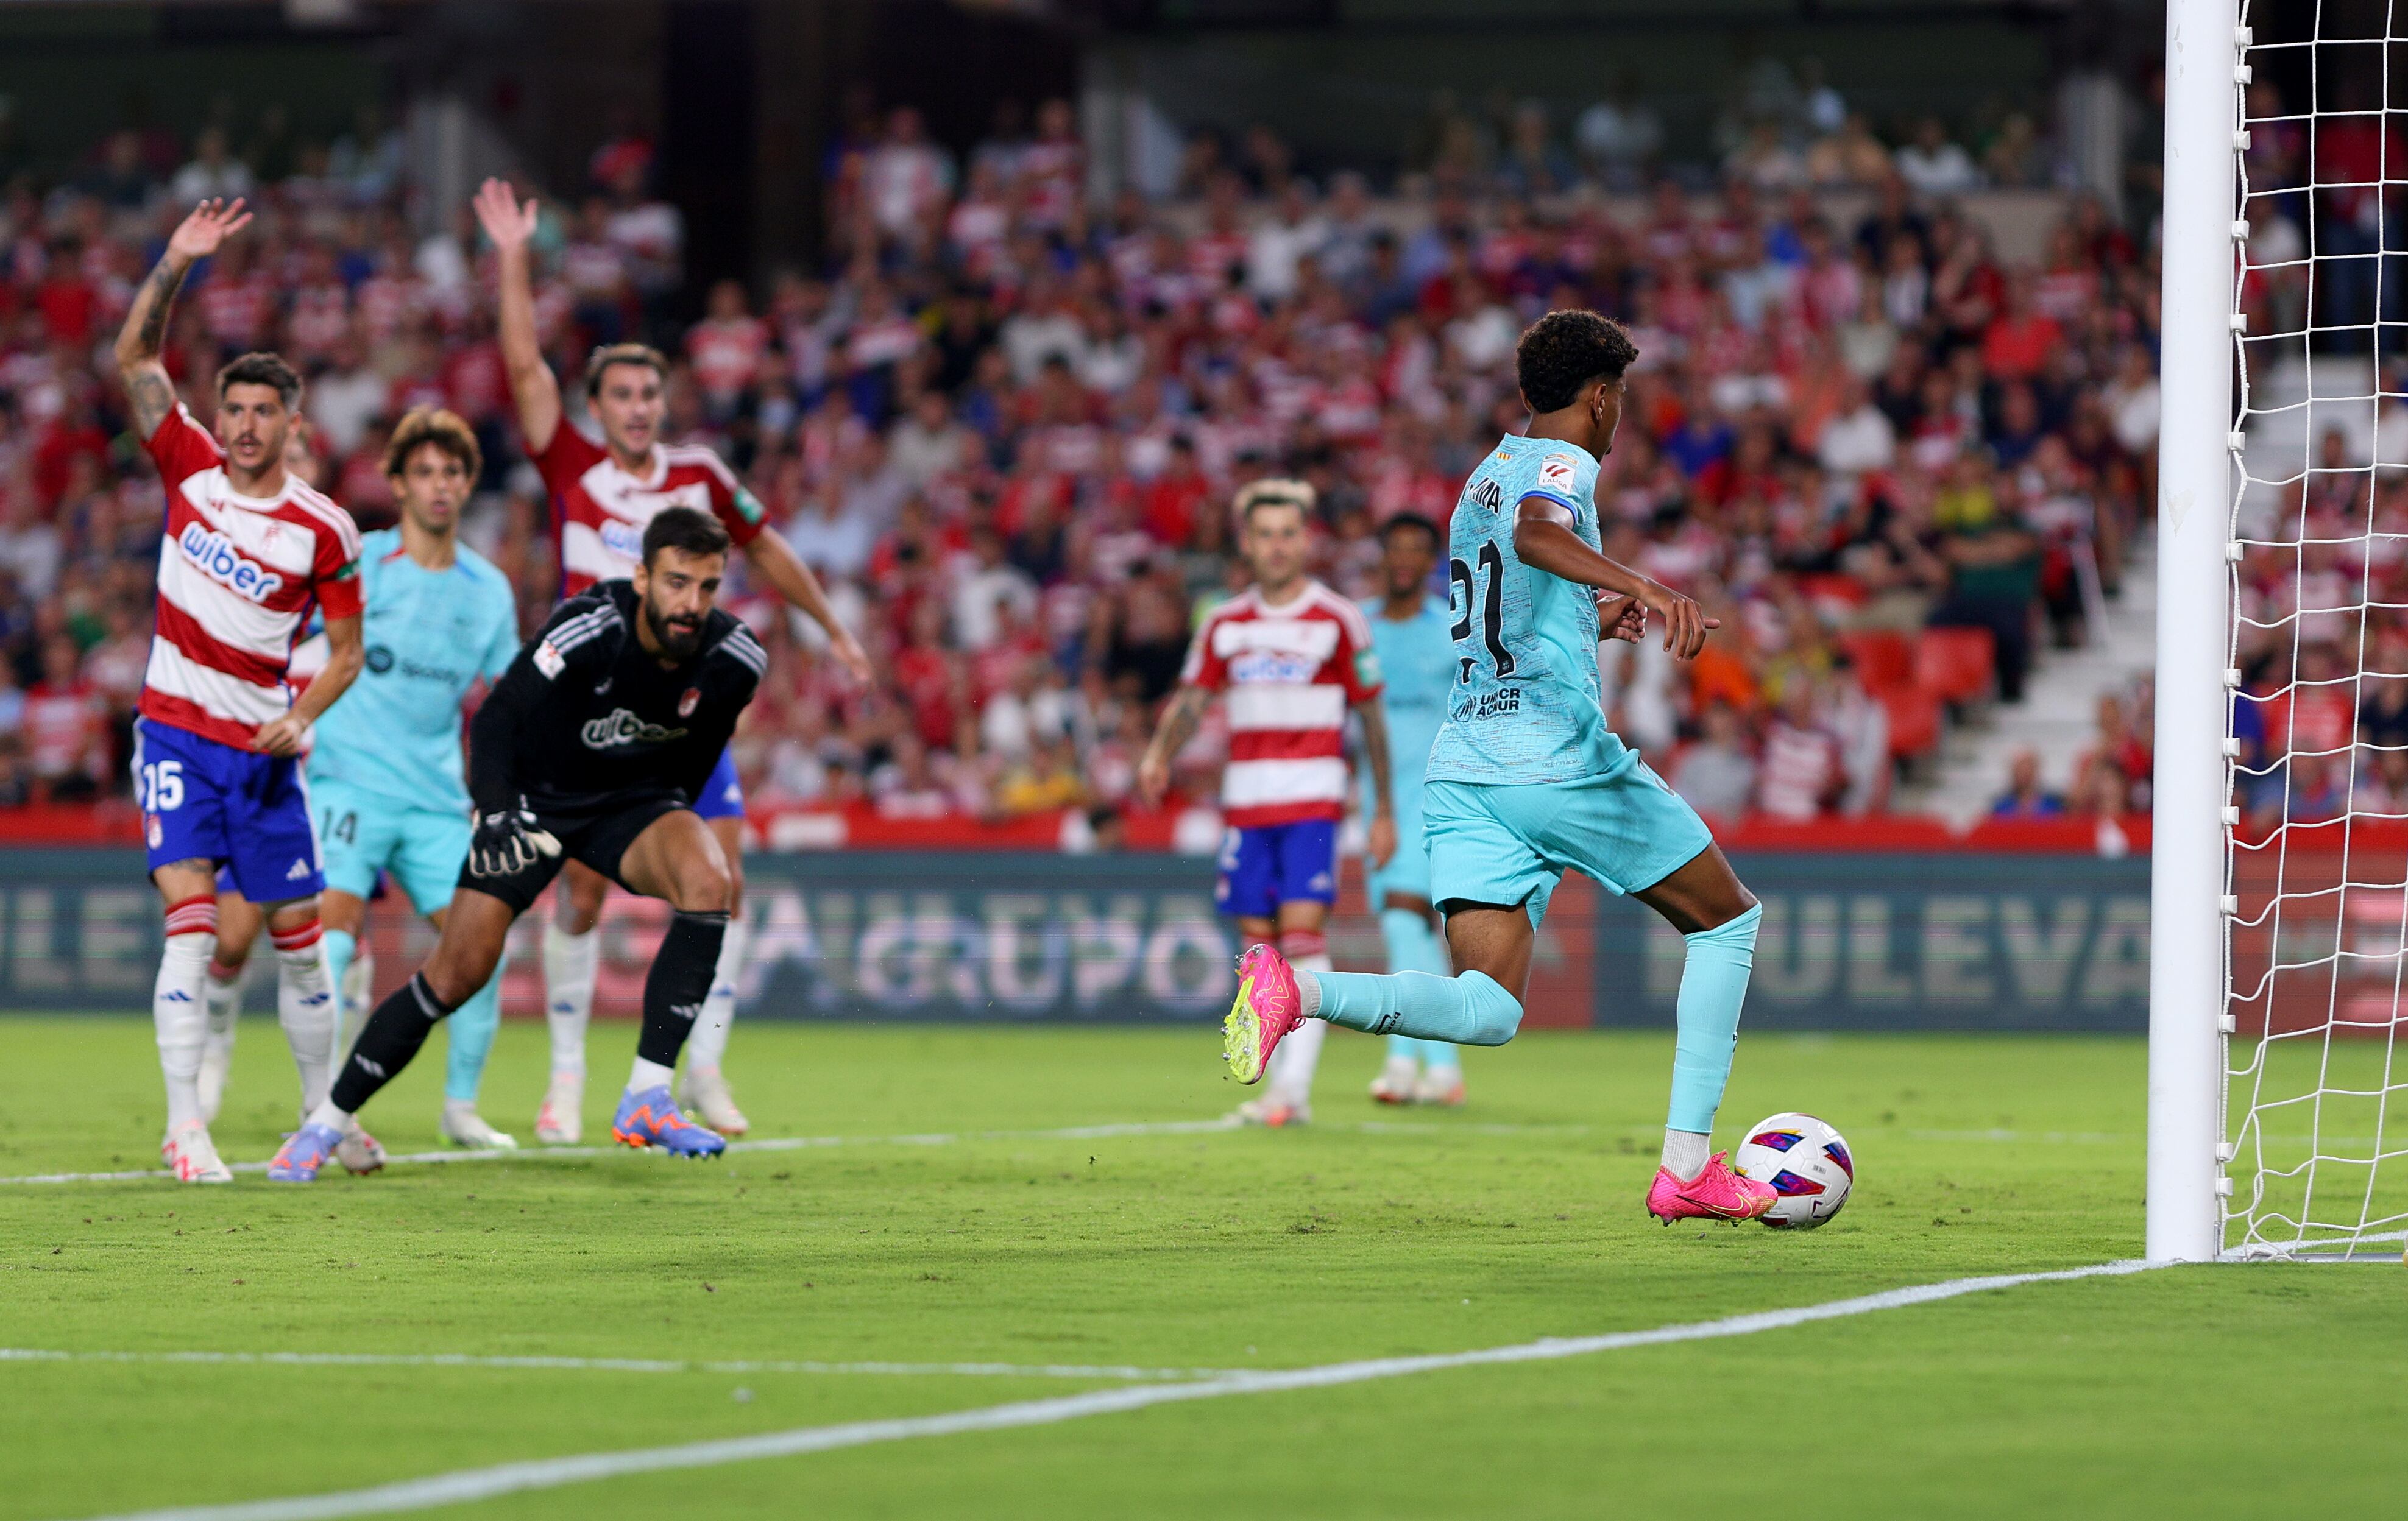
591,748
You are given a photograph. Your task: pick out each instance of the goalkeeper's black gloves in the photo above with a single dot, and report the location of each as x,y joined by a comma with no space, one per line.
507,842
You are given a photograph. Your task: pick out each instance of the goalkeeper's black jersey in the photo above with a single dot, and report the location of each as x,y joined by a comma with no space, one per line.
583,713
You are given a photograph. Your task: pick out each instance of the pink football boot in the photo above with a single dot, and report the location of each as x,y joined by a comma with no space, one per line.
1268,1007
1717,1193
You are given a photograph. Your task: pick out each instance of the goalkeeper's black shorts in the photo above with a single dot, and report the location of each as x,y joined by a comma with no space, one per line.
597,833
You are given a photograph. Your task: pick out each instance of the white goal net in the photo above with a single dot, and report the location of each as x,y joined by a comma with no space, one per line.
2315,1093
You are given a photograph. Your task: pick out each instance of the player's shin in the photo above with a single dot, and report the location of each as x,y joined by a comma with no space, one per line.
1300,1056
177,1011
340,949
221,1000
1714,985
1414,945
391,1037
305,1006
472,1028
570,963
673,994
1472,1009
708,1048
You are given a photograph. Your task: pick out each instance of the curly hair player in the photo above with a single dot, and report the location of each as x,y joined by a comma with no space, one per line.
1525,780
591,748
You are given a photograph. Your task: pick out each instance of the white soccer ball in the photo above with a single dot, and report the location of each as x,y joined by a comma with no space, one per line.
1808,1164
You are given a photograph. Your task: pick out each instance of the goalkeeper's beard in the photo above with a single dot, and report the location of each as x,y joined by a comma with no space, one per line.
676,638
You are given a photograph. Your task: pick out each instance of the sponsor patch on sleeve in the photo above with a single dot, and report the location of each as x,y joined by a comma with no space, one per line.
749,507
1555,474
548,660
1367,668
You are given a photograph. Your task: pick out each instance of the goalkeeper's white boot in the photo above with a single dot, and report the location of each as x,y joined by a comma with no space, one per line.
704,1090
193,1156
464,1127
360,1152
560,1121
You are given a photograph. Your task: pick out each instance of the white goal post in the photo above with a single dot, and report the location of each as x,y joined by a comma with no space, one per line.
2187,947
2278,1096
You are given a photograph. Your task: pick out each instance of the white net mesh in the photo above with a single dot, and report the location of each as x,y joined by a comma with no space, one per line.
2316,1095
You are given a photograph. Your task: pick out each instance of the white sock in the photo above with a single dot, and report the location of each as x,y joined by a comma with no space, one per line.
305,1006
325,1114
706,1048
180,1017
355,998
223,1000
570,963
1300,1055
648,1074
1686,1153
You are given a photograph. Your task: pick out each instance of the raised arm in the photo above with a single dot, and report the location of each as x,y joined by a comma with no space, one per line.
1178,726
774,558
533,386
148,389
1543,539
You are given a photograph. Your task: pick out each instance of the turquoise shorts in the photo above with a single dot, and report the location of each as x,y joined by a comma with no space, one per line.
360,833
1626,830
1409,870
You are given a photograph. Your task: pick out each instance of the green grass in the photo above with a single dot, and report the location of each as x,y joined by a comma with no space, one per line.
2202,1391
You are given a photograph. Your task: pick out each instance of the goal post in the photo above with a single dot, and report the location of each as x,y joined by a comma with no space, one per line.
2192,782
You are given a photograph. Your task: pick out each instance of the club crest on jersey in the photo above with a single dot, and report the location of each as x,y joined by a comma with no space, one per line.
686,703
623,728
217,558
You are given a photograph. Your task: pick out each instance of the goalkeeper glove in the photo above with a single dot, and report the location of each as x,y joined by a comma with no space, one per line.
507,842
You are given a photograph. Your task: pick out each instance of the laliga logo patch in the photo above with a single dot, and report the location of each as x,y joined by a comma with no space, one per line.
222,562
686,703
151,828
1556,472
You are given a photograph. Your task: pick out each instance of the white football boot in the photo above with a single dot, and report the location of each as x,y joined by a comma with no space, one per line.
359,1152
193,1155
1275,1110
1397,1081
1442,1085
464,1127
561,1120
704,1090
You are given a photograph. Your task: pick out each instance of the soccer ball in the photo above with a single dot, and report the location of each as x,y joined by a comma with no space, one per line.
1807,1163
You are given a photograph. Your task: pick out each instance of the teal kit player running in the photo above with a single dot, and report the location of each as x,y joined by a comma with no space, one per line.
1411,633
1525,780
385,772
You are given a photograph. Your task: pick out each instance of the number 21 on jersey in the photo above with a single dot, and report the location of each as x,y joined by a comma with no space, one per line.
1488,592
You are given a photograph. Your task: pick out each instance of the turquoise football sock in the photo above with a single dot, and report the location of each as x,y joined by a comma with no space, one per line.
1414,947
472,1025
1470,1010
1714,985
340,946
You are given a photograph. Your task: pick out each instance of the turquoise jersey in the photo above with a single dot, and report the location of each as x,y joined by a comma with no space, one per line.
1417,660
430,636
1525,707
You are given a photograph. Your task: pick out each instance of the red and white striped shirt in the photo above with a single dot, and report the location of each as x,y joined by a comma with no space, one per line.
603,511
1290,673
238,575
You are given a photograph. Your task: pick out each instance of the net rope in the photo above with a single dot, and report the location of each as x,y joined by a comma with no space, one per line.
2316,923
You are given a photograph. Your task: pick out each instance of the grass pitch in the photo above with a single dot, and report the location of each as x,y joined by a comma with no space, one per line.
2200,1391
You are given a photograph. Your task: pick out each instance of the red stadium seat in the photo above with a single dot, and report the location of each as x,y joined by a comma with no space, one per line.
1913,720
1883,659
1956,665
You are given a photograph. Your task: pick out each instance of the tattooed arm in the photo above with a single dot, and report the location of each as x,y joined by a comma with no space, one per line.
1179,721
148,389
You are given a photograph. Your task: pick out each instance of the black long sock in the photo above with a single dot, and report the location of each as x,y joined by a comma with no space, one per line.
395,1032
679,982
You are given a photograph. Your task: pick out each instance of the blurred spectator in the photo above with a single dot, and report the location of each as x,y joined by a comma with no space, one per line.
1717,775
1933,165
1802,774
2025,796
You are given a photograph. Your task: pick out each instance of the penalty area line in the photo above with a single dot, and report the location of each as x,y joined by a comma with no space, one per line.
811,1142
542,1363
478,1484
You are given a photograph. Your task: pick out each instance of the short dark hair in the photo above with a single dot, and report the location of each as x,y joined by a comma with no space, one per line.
262,369
687,529
1563,351
622,353
1412,520
445,430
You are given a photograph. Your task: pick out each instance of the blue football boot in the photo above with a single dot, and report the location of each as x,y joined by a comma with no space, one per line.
304,1152
650,1118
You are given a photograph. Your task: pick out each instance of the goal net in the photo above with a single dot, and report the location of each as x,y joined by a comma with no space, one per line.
2315,1122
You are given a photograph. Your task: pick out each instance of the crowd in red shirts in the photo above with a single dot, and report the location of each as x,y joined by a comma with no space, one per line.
1005,424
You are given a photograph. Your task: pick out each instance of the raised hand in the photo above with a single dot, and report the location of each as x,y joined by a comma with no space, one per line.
212,221
509,224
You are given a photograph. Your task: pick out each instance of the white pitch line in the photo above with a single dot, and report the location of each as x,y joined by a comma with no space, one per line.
466,1485
621,1365
808,1142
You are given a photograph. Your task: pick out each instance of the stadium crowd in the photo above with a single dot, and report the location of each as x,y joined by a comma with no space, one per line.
1004,425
